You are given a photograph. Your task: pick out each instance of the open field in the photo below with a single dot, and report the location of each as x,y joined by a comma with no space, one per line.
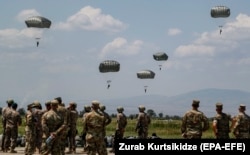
164,128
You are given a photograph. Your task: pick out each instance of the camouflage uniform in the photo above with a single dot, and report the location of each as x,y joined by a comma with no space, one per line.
121,124
4,111
64,121
87,109
13,120
93,125
194,122
37,113
241,127
143,121
221,123
107,118
73,116
30,131
51,125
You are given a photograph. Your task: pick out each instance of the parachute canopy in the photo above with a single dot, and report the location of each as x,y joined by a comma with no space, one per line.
160,56
38,22
145,74
220,12
109,66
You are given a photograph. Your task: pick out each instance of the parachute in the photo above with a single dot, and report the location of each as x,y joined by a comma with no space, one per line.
220,12
109,66
38,22
145,74
160,56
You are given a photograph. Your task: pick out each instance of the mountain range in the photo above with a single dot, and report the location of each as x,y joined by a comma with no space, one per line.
179,104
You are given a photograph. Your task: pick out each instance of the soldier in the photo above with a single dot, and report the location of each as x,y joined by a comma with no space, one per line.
107,118
194,122
52,130
73,116
38,112
143,121
242,124
121,123
30,131
221,123
4,111
93,127
87,109
64,114
13,120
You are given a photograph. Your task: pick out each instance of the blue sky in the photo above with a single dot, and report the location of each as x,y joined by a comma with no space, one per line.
84,33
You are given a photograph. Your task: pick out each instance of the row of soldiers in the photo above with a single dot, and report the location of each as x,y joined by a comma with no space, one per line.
56,121
195,122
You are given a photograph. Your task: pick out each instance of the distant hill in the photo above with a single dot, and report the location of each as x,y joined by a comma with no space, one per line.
178,105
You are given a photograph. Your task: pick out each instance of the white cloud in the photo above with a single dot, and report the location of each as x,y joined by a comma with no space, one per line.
92,19
174,31
122,47
23,15
194,50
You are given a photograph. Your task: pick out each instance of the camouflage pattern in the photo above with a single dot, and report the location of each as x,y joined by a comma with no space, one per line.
37,113
93,126
142,124
4,111
241,127
63,112
107,118
30,131
87,109
13,120
121,122
73,117
51,125
221,123
194,122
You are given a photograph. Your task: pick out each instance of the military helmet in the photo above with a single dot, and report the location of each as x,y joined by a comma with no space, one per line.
141,108
96,103
59,99
47,103
87,108
54,102
73,104
36,103
102,107
196,103
219,105
120,109
10,101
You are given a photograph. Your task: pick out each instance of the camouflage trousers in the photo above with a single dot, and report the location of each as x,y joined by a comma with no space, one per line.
10,138
96,145
52,149
29,142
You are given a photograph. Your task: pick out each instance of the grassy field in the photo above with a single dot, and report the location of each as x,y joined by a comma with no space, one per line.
163,128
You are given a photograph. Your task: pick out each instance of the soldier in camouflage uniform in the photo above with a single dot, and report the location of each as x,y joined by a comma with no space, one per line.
107,118
64,114
73,117
143,121
87,109
194,122
30,131
221,123
13,120
4,111
38,112
241,129
93,125
121,124
52,128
